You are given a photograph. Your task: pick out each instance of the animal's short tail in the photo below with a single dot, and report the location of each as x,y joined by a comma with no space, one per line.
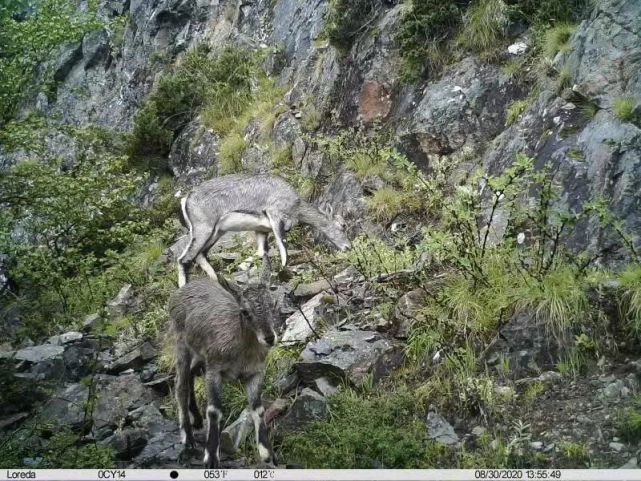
185,216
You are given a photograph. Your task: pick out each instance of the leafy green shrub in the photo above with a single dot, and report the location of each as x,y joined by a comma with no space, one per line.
387,203
424,32
515,110
61,227
623,108
484,25
29,34
347,19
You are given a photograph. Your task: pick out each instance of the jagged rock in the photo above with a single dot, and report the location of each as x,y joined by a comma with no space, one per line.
525,342
65,338
39,354
161,384
70,55
349,355
124,303
518,48
479,431
308,406
348,198
618,447
194,153
298,326
163,449
79,362
439,430
630,464
95,48
134,359
234,434
115,397
67,407
286,382
7,422
41,362
614,391
311,289
464,109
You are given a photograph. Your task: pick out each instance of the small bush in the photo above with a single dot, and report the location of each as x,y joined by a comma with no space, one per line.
515,110
484,25
220,85
347,19
386,204
623,108
372,257
382,429
424,33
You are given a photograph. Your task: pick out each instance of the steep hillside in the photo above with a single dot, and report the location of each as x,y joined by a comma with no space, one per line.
484,154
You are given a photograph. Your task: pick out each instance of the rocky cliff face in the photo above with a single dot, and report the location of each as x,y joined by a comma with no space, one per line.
104,79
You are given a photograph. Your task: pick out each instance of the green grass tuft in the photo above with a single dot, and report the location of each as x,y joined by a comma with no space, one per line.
629,298
232,148
556,39
484,25
623,108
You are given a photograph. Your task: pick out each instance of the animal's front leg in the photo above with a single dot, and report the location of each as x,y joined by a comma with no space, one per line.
214,418
254,386
278,227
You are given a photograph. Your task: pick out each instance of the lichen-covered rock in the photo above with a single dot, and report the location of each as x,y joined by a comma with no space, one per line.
194,154
465,108
68,407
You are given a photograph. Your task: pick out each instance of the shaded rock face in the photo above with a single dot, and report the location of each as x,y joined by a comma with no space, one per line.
349,355
193,154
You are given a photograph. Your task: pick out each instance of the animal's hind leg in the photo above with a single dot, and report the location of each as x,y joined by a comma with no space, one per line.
278,227
206,266
261,244
254,386
183,381
196,417
200,236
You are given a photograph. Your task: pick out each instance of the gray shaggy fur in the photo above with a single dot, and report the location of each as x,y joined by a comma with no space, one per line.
268,204
228,331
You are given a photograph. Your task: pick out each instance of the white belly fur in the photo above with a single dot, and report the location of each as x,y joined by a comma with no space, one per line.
240,221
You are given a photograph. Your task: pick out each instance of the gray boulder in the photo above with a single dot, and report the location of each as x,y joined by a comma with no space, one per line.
349,355
68,407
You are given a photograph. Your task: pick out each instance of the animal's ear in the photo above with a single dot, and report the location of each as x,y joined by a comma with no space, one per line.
230,287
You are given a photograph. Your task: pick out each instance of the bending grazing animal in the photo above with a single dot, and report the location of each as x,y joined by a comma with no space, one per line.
229,331
259,203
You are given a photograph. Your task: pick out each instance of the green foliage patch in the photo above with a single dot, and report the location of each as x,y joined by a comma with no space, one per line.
30,33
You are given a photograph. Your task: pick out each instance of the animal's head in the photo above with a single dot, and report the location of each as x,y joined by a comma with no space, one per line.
335,229
258,308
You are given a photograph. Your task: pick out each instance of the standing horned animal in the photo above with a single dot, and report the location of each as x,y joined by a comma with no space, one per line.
229,331
259,203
